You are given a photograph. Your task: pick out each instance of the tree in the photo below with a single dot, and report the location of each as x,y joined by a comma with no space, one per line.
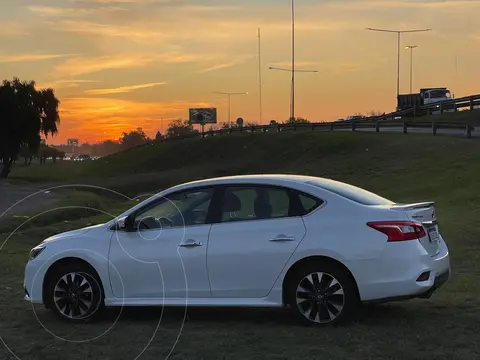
25,113
373,113
133,138
229,125
297,120
26,154
158,136
107,147
273,122
85,149
45,152
180,128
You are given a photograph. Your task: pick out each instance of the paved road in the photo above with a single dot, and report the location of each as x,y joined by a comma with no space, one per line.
11,194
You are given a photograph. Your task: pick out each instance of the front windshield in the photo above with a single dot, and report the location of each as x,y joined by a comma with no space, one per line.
435,94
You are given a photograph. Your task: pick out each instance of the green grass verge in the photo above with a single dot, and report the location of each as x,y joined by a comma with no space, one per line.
462,117
401,167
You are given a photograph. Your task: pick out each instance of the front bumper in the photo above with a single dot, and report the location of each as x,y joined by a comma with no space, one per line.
33,282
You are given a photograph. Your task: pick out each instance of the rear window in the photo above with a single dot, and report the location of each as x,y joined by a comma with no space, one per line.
351,192
308,203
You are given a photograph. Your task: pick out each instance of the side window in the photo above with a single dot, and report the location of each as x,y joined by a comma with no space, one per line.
308,203
185,208
255,203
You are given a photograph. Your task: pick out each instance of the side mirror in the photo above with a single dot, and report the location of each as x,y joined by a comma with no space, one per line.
125,223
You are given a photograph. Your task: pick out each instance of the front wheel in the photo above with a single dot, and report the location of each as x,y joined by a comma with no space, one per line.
322,294
74,293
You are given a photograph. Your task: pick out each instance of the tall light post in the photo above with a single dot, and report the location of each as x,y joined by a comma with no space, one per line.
229,94
399,33
292,101
292,69
411,47
292,96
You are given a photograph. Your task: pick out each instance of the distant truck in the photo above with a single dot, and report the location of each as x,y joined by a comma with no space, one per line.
424,97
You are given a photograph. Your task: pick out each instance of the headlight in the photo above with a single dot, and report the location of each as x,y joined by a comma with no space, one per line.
35,252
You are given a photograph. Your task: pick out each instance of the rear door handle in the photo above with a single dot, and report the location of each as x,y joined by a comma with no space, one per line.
191,243
282,238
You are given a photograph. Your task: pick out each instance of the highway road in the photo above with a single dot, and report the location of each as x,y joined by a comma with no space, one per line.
458,132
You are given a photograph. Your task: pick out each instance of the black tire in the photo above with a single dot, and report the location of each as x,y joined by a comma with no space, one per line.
328,304
74,293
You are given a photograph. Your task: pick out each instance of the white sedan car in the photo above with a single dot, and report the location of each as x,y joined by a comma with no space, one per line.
317,246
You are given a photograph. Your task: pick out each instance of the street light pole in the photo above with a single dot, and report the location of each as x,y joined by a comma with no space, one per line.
399,33
292,101
411,47
292,97
229,94
292,69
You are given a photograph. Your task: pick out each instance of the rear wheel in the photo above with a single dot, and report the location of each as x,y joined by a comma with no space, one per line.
322,294
74,293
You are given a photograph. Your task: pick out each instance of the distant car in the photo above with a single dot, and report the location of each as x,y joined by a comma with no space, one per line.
317,246
83,157
354,117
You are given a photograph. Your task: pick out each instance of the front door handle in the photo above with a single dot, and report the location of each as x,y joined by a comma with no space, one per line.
191,243
282,238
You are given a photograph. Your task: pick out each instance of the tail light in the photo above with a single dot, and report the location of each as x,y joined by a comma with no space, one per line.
399,230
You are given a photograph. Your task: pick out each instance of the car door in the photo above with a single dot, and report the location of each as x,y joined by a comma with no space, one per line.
256,232
165,255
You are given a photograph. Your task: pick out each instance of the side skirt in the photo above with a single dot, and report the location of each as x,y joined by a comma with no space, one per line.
200,302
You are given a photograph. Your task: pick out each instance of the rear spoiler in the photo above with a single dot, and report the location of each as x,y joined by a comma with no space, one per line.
407,207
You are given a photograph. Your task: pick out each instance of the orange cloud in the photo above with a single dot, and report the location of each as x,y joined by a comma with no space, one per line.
207,8
61,84
121,1
89,118
31,57
137,33
123,89
80,66
62,11
12,28
298,64
228,64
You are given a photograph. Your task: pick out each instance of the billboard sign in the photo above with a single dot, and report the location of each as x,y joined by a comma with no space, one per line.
73,142
203,116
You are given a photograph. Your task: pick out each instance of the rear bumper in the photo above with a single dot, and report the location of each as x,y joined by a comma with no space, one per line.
439,281
404,271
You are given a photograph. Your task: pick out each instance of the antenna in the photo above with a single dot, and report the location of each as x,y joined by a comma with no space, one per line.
260,73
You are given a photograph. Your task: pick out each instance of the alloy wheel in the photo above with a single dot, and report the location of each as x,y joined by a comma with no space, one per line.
320,297
73,295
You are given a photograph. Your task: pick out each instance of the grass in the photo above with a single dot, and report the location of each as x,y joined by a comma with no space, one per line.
401,167
463,117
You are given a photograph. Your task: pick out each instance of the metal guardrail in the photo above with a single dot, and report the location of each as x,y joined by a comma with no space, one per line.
441,107
343,125
391,120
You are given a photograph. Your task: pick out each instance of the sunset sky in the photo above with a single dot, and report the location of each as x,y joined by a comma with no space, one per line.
117,65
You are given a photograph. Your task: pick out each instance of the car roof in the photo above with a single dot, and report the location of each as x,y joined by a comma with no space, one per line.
257,179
